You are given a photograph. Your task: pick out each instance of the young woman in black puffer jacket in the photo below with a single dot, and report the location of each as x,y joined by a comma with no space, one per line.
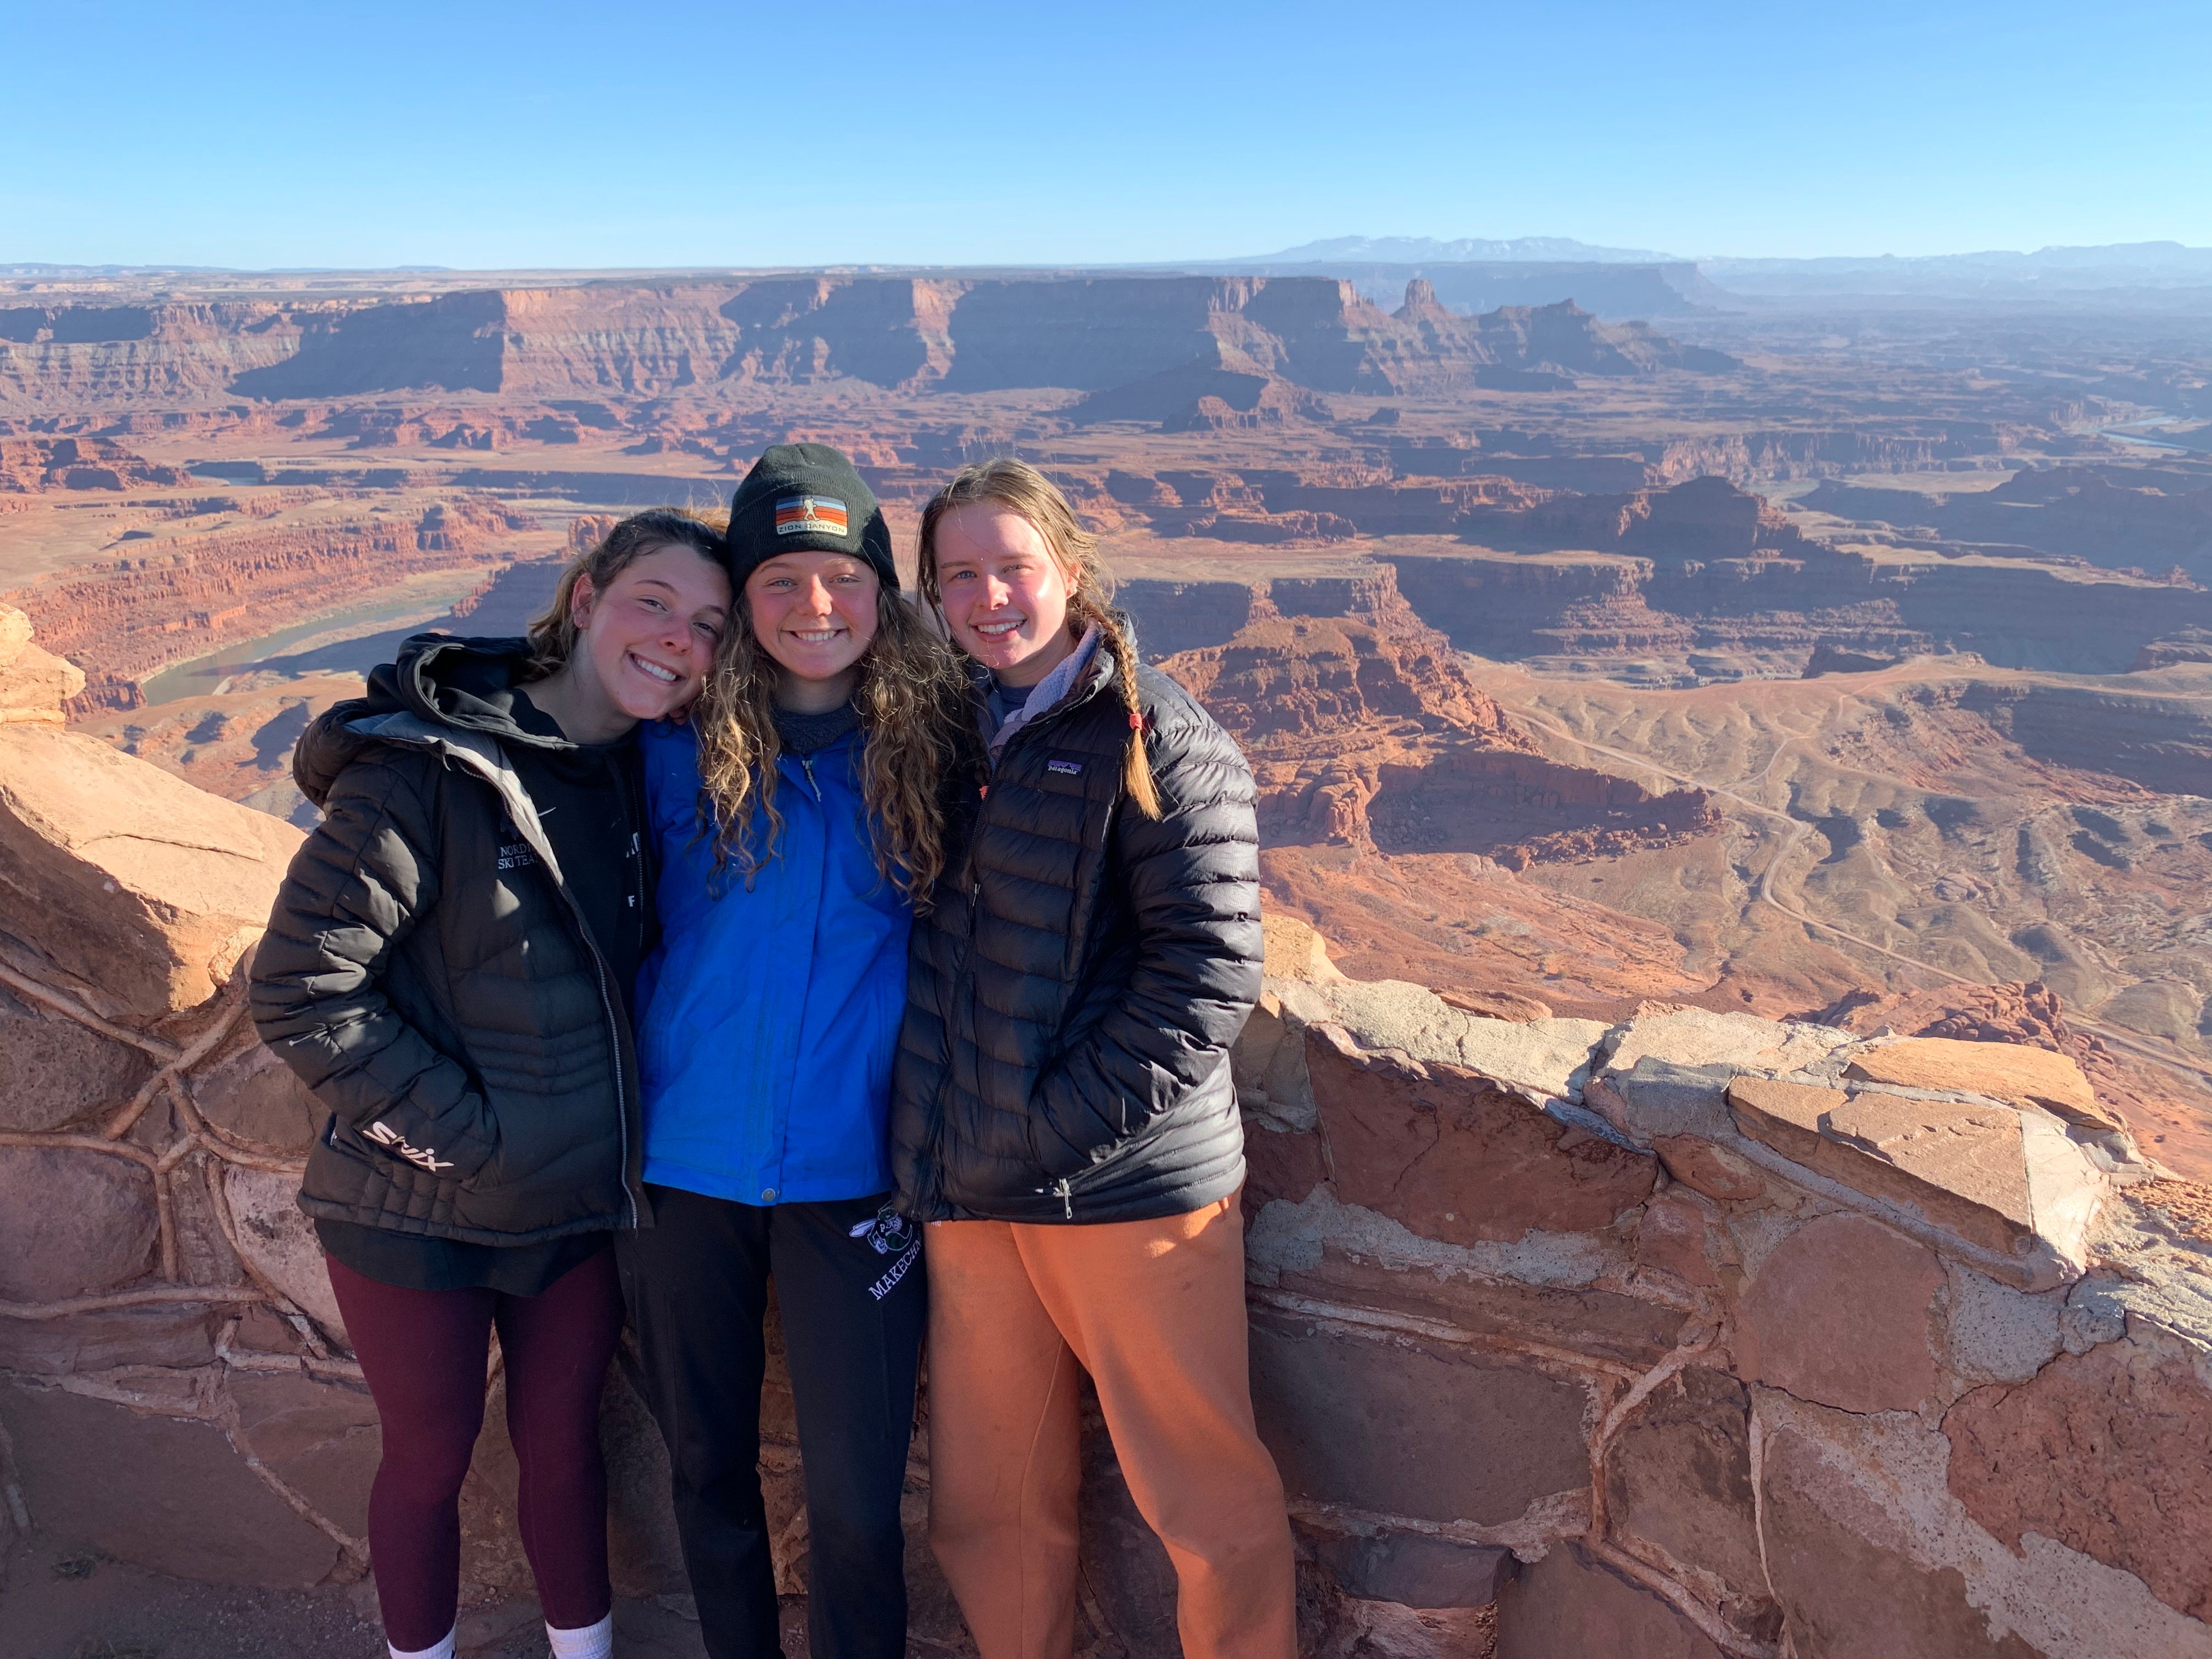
448,967
1063,1115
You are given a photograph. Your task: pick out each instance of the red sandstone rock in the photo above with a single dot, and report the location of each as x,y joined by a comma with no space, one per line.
1279,1164
172,1338
1786,1116
255,1097
1671,1238
165,1493
1713,1170
1578,1318
1848,1597
72,1224
59,1073
319,1437
1350,1419
1509,1005
1869,1350
1679,1479
1962,1167
1572,1606
2004,1071
143,889
2101,1452
34,684
1454,1157
2167,1113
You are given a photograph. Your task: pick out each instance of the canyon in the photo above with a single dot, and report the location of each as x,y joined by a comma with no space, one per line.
1683,1331
1644,712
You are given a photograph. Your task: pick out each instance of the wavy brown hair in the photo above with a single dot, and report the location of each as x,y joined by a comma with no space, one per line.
1017,487
917,720
553,636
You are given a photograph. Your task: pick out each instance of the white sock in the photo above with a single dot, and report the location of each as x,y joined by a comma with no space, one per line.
436,1650
591,1642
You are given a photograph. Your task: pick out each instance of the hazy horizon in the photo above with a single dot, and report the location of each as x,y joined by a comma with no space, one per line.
2148,253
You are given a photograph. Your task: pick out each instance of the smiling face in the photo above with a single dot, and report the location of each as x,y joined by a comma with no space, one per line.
816,615
1004,594
648,637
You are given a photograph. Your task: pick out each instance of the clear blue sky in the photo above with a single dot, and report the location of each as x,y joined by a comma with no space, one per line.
659,133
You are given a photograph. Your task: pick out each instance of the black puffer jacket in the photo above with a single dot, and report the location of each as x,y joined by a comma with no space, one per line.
1073,994
429,974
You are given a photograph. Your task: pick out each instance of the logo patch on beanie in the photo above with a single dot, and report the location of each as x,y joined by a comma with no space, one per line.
799,515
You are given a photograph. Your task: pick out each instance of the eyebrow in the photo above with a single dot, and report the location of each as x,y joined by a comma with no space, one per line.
787,566
655,581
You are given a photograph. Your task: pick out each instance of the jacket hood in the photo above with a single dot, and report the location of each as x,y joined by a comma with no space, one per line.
468,684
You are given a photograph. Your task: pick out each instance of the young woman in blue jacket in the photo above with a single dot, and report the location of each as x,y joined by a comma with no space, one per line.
798,815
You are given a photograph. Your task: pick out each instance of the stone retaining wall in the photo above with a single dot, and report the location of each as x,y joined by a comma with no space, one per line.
1709,1335
1697,1334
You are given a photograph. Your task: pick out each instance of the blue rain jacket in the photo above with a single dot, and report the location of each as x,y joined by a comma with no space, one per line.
768,1017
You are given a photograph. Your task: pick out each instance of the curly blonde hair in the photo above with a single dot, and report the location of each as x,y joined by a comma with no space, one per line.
1019,488
919,732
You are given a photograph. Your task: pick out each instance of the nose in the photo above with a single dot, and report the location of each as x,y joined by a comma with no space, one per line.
814,598
995,592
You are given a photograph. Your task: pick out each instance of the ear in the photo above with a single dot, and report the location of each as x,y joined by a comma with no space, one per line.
582,598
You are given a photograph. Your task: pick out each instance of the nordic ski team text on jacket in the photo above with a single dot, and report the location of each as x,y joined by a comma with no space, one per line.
1074,994
769,1014
426,973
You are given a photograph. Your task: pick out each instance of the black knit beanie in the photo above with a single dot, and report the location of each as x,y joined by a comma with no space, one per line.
806,498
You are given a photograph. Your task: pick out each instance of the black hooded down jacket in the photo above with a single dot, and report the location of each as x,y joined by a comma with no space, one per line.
429,975
1074,991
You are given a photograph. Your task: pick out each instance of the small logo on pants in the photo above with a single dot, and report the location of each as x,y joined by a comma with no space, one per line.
889,1233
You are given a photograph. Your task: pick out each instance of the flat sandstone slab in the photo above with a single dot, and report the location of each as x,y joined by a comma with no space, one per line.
2003,1070
1964,1167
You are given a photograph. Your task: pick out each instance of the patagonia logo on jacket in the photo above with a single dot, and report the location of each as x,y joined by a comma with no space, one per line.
393,1141
1067,769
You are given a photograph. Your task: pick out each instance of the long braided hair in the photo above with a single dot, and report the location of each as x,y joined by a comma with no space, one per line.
1019,488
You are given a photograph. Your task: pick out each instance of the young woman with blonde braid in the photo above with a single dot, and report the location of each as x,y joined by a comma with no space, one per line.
1064,1119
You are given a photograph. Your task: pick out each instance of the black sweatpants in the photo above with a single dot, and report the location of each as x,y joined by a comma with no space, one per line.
849,1288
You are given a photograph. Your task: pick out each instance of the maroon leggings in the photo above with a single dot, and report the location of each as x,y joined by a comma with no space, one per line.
424,1353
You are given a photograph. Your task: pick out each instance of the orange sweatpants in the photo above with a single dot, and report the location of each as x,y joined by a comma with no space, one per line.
1154,1311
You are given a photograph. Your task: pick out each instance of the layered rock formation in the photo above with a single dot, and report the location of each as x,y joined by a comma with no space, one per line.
188,595
88,357
27,464
1363,731
2111,519
651,339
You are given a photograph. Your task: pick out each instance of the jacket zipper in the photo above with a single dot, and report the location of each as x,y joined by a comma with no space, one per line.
1059,1189
441,747
936,1161
614,1033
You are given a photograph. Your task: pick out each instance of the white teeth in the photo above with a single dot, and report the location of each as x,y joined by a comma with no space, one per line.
666,675
820,635
997,630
